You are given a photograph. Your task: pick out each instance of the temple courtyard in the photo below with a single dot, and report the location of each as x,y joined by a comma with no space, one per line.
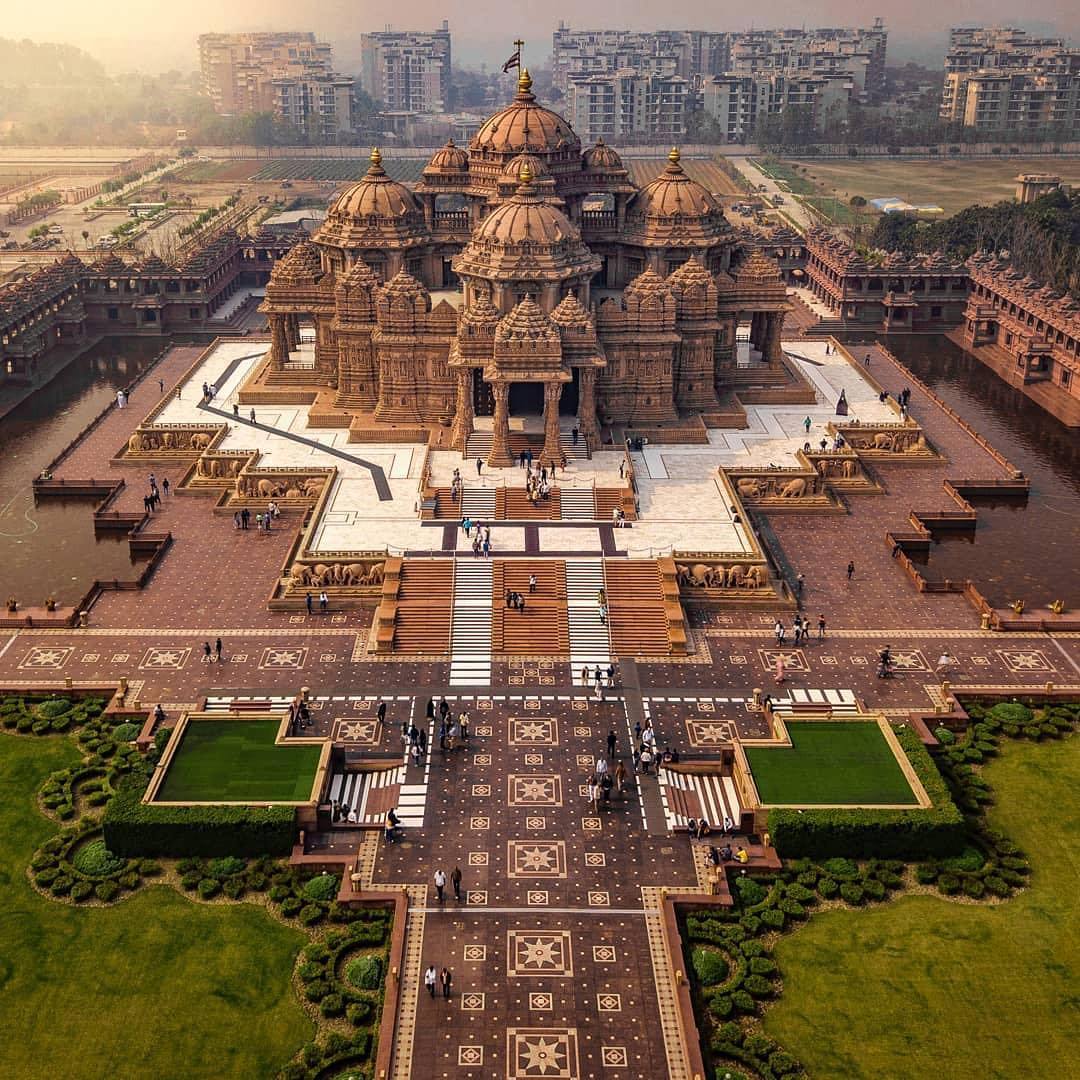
564,942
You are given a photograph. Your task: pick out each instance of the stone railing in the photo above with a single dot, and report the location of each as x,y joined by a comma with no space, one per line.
169,442
906,441
799,488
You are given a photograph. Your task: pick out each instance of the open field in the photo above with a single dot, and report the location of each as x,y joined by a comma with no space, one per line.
407,170
842,763
137,989
946,183
926,987
237,761
706,173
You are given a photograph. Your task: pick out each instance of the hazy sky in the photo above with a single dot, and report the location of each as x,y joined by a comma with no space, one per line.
129,34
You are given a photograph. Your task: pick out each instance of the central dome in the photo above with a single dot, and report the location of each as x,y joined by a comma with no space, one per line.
524,127
526,219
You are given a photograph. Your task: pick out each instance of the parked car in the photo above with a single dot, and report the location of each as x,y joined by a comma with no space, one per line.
58,229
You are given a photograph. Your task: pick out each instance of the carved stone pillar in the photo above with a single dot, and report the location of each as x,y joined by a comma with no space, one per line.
771,350
500,442
292,331
552,452
587,407
463,409
279,341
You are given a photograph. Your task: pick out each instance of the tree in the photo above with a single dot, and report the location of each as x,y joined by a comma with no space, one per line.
86,238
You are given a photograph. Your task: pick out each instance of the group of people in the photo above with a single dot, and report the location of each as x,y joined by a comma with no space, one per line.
800,627
153,499
433,978
515,600
456,485
537,483
481,540
324,603
603,780
263,519
599,678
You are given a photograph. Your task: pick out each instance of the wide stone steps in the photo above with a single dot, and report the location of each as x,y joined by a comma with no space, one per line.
470,634
478,503
578,451
422,618
637,612
577,504
519,507
543,628
590,644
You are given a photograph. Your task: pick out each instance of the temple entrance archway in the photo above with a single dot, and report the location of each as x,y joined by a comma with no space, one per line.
568,400
483,398
526,399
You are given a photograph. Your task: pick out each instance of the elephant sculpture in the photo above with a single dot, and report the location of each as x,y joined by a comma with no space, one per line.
918,446
134,443
849,468
376,573
168,440
884,441
735,577
199,440
793,489
748,487
755,577
301,574
312,486
267,489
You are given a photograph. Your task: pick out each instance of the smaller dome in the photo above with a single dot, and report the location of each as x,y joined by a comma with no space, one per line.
601,157
524,168
758,269
360,276
374,196
449,159
673,193
481,312
690,274
526,218
403,284
302,266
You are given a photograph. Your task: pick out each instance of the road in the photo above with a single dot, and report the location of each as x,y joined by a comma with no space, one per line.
791,207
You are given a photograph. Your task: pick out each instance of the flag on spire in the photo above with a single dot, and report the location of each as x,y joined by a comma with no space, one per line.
515,59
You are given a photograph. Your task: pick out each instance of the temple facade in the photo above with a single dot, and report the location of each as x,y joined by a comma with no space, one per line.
568,291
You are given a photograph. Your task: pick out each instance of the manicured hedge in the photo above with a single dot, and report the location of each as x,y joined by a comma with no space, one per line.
134,828
888,834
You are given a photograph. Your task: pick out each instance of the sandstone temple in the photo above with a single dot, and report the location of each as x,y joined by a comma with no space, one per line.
524,276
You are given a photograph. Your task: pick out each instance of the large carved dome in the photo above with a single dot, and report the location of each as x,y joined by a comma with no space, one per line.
376,195
526,218
674,193
524,127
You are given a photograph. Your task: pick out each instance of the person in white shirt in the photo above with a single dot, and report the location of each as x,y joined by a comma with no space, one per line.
440,884
431,977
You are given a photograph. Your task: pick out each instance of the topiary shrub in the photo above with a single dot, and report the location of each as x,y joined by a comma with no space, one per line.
324,887
762,965
365,972
124,733
743,1002
752,948
759,1045
310,914
290,907
227,866
841,869
358,1012
149,868
332,1005
750,892
61,884
944,736
828,887
974,888
46,877
948,883
106,891
750,923
782,1063
721,1006
279,893
997,885
54,707
94,859
773,918
851,892
1011,712
874,890
316,990
792,908
234,888
801,893
81,890
758,986
709,965
969,860
209,887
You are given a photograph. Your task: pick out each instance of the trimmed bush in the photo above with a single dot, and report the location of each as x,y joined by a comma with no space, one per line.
124,733
229,866
875,890
364,972
1011,712
134,828
310,914
762,965
793,909
54,707
851,892
759,1045
324,887
209,887
332,1005
358,1012
970,859
721,1006
234,888
750,892
949,884
316,990
290,907
94,859
743,1002
758,986
783,1063
710,967
81,890
106,891
61,884
828,887
773,918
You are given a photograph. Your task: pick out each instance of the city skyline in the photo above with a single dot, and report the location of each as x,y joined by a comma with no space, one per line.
918,31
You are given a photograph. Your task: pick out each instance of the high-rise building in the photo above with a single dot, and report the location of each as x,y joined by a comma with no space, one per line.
999,79
289,74
737,103
407,70
690,54
627,104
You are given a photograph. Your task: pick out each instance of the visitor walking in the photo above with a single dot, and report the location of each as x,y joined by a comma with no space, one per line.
612,741
455,880
445,978
207,652
779,675
324,603
800,580
440,884
532,583
946,663
217,650
431,977
479,465
778,630
850,570
807,424
821,627
308,603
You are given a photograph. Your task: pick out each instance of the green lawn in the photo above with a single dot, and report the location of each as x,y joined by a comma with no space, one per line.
831,764
924,987
155,986
237,761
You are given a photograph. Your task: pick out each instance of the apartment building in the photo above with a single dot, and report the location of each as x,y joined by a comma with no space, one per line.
407,70
689,54
627,104
289,74
999,79
738,102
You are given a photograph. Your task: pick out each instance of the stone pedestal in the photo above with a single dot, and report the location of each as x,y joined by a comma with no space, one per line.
463,410
552,454
500,442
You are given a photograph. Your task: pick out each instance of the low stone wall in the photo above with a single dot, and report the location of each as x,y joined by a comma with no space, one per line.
905,442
